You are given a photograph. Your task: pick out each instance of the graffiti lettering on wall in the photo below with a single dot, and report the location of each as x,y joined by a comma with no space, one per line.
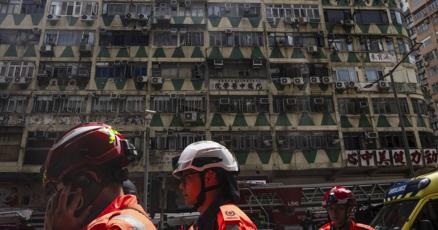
395,157
27,195
12,120
48,119
238,84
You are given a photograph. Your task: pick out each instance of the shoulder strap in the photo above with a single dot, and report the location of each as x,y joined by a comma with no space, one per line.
230,213
131,219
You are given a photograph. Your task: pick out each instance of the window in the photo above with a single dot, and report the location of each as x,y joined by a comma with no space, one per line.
192,11
134,104
123,38
238,141
353,106
191,39
389,106
17,69
175,140
428,213
396,17
65,69
427,140
19,37
10,7
390,44
313,104
371,17
427,41
74,8
341,44
372,74
419,106
423,27
122,8
38,145
238,105
165,38
372,44
59,104
294,39
335,16
178,104
229,9
13,104
393,140
346,74
222,39
69,38
358,141
305,140
292,11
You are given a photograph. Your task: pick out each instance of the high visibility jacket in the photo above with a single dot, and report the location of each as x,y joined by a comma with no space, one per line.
230,217
124,213
352,226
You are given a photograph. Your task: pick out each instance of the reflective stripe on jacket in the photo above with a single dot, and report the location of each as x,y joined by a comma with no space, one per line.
353,226
124,213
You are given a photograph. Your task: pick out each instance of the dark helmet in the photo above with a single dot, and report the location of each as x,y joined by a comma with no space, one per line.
88,144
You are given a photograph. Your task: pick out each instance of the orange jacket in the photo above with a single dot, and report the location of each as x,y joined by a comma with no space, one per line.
353,226
231,217
124,213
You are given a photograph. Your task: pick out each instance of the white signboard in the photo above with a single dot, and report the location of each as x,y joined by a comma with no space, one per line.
382,57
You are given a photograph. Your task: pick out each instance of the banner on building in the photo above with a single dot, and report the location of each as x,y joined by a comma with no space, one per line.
238,84
382,57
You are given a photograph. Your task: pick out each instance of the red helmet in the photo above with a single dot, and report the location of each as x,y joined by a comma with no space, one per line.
88,144
338,195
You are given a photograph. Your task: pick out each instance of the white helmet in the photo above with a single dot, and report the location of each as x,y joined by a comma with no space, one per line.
203,155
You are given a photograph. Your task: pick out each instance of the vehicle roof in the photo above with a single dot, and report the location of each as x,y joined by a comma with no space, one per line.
408,189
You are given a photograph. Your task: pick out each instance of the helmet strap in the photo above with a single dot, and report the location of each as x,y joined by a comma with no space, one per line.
204,190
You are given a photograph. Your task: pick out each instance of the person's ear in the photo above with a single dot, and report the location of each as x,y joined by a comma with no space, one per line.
210,178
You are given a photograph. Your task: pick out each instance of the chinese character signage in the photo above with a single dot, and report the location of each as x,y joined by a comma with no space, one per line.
395,157
238,84
382,57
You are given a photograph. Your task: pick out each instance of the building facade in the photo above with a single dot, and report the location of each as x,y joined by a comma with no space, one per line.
422,25
284,84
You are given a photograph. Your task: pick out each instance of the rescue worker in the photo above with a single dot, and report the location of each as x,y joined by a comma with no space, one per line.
207,172
339,202
83,176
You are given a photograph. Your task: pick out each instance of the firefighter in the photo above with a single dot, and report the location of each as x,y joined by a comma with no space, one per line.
207,173
339,203
83,176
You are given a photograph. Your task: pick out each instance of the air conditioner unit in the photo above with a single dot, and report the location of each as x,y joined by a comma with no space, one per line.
218,63
20,80
318,100
291,101
228,31
52,18
224,101
351,84
264,101
267,142
298,81
326,80
347,22
114,96
36,30
371,135
190,116
141,79
128,16
285,80
340,85
142,17
87,18
304,20
312,49
257,63
83,73
315,80
156,81
383,85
